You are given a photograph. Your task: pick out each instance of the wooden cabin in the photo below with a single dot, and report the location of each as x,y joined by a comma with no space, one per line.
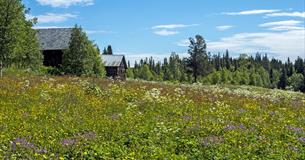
115,66
53,42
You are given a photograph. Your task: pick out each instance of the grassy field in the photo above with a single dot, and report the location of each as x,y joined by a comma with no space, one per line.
86,118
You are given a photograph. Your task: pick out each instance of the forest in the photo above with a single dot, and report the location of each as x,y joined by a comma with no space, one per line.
258,70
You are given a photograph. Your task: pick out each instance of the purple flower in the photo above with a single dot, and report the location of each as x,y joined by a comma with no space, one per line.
302,139
242,111
232,127
41,151
22,142
294,129
210,140
187,118
89,135
68,142
242,127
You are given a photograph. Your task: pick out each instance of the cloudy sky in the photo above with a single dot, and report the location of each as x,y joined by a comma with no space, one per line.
140,28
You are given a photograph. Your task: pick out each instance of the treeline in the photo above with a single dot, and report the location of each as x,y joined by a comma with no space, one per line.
19,46
258,70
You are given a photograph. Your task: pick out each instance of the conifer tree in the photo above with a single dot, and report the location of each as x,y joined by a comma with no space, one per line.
82,57
198,61
283,79
109,50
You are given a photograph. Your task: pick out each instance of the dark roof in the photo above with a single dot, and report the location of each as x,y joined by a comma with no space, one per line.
113,60
54,38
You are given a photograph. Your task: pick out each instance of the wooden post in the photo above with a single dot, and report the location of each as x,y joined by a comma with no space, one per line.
1,68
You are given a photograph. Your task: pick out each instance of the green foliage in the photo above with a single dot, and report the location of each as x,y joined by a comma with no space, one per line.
82,57
90,118
283,79
245,70
296,81
108,51
18,43
129,73
145,73
198,61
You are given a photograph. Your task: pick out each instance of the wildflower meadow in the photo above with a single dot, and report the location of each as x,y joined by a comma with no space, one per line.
44,117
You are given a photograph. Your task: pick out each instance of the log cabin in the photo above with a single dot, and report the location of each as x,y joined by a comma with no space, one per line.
115,66
53,42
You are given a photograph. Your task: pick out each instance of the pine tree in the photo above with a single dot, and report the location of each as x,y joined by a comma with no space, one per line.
266,63
283,79
104,51
227,60
109,50
299,65
198,61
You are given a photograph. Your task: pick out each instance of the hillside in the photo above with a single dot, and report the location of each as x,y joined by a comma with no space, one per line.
70,117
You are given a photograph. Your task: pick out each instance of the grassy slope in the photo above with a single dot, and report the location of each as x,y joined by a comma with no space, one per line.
64,117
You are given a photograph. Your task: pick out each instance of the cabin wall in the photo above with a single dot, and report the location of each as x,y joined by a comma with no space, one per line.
111,72
122,71
116,72
52,58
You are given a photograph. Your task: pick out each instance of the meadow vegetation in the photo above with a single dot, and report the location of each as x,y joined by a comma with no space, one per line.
44,117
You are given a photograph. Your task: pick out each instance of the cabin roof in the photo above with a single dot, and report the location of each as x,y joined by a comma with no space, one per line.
114,60
54,38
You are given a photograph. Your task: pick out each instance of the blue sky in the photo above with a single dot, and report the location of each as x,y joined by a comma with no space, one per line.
140,28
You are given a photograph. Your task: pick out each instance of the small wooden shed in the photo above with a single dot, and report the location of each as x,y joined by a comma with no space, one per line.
115,66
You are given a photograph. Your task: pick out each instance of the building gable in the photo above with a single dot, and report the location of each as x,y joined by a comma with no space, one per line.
54,38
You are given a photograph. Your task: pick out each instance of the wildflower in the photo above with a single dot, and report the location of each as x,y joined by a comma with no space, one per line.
22,142
302,139
179,92
210,140
153,94
294,129
88,135
68,142
232,127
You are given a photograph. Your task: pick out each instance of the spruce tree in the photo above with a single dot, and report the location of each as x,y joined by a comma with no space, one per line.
105,51
283,79
82,57
109,50
198,63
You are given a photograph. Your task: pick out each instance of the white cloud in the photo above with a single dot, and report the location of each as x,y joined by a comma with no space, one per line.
287,14
165,32
132,56
285,28
280,45
168,29
283,25
52,17
64,3
183,43
174,26
223,28
250,12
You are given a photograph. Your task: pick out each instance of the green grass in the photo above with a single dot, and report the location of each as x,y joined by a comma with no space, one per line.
86,118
